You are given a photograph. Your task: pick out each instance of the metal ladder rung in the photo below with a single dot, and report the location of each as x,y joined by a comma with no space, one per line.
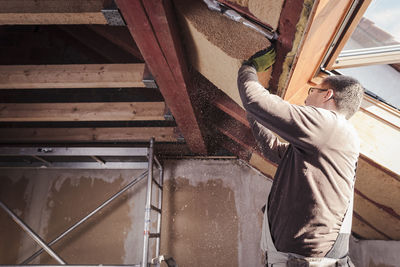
159,186
155,208
154,235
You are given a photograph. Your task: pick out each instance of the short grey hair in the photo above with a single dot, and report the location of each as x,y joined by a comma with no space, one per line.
348,93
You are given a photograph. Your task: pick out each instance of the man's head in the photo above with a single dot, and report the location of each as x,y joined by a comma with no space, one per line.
340,93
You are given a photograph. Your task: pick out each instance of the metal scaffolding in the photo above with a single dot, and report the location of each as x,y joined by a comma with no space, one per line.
91,158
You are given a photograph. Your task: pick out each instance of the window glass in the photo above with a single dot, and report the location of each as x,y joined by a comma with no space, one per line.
379,29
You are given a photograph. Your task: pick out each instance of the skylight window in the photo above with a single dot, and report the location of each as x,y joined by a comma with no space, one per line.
372,54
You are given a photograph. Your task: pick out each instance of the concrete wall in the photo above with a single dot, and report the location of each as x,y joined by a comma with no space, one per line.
211,216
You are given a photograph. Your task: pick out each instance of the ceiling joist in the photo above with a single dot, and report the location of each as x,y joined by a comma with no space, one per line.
67,135
122,111
72,76
51,12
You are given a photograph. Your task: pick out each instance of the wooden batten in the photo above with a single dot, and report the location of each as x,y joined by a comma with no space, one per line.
121,111
117,134
71,76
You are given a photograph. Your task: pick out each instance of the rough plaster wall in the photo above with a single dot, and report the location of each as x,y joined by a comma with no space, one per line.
215,45
211,216
267,11
11,189
58,198
212,213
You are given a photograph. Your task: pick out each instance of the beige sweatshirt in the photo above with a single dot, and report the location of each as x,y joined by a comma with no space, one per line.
312,186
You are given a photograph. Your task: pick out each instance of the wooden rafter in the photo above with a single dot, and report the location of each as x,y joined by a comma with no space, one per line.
71,76
151,25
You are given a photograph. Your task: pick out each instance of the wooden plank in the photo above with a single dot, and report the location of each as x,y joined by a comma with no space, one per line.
124,111
80,95
51,18
71,76
322,29
31,12
161,51
230,107
50,6
117,134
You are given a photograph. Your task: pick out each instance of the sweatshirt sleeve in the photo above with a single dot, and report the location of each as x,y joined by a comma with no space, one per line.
301,126
271,147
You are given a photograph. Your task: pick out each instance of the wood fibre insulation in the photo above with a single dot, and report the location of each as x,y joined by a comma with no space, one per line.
215,45
267,11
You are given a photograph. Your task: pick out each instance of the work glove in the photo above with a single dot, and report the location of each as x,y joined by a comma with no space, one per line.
263,60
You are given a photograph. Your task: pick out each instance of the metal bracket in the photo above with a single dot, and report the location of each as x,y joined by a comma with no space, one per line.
148,78
112,15
168,260
150,83
168,115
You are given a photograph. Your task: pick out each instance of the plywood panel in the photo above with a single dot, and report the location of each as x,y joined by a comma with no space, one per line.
379,140
364,230
377,217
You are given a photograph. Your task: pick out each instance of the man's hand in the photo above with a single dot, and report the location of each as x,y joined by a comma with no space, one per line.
263,60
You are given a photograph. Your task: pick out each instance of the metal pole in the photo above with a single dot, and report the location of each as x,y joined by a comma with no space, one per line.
148,206
160,195
32,234
105,203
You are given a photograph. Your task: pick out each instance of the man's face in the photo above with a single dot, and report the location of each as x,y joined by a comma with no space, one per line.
317,95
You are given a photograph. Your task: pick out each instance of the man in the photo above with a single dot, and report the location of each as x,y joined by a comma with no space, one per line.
313,186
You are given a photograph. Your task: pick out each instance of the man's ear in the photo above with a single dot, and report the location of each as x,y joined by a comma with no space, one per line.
328,94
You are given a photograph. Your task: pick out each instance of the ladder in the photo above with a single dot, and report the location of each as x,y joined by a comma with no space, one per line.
45,157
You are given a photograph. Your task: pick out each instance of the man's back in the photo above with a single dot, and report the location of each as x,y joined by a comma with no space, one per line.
312,186
314,181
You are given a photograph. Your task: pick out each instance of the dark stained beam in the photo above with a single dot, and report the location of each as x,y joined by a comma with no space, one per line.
151,24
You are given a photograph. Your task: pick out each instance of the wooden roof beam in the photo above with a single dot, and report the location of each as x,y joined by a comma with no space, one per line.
152,25
99,134
72,76
108,111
